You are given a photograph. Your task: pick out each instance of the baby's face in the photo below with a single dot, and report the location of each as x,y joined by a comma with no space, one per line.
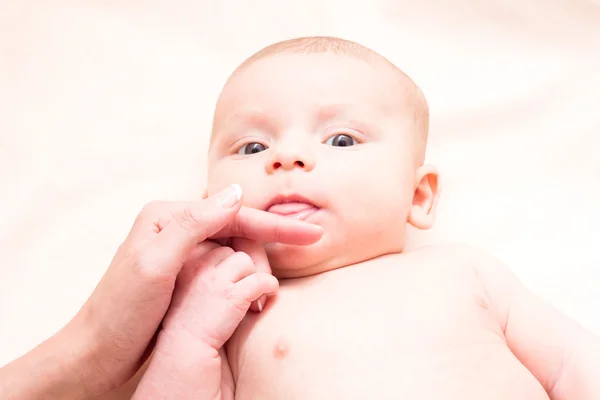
328,134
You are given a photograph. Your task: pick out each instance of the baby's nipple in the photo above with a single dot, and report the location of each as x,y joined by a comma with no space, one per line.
281,349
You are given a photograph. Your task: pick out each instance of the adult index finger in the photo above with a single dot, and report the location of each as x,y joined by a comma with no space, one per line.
192,223
265,227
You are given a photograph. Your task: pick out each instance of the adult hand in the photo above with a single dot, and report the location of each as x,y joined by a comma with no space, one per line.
112,334
132,298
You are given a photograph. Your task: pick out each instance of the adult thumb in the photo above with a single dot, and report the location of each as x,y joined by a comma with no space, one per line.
192,223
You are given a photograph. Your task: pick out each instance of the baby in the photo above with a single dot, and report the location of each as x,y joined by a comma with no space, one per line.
330,132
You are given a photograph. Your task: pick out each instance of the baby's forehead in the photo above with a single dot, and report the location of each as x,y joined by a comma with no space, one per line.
327,83
327,75
321,114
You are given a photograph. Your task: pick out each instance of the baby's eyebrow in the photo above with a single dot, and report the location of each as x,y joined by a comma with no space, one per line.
253,118
349,112
331,111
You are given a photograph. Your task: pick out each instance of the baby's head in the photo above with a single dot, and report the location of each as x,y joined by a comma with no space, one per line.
339,133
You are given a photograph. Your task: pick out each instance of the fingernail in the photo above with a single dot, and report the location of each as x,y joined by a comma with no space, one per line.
259,305
229,197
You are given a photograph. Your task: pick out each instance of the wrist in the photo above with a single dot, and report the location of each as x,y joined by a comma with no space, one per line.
181,366
183,346
76,353
73,353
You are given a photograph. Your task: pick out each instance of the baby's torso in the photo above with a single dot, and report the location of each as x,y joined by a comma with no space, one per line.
414,326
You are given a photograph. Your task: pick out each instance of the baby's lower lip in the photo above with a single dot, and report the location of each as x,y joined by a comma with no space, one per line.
295,210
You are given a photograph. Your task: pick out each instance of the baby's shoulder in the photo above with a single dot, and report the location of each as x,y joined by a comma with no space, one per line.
459,257
457,260
488,270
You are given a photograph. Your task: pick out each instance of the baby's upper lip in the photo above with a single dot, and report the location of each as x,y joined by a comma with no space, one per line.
289,198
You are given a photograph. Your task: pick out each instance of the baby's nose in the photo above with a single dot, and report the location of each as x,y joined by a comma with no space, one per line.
288,165
286,160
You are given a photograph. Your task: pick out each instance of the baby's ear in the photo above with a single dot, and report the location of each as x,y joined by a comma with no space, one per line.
205,194
425,198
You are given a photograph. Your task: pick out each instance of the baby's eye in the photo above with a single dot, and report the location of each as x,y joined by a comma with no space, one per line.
252,148
341,140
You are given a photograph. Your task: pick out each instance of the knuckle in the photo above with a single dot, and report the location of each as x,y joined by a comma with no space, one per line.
238,227
256,278
206,247
236,300
243,258
227,251
188,218
185,217
221,253
150,210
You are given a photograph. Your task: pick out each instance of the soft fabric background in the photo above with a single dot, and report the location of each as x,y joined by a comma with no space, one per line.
106,105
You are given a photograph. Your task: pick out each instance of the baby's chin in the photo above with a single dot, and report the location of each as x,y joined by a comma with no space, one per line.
289,261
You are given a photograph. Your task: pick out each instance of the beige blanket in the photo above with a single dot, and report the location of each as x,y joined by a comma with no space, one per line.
106,105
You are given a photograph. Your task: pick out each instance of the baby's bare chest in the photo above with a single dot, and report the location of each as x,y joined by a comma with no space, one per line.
373,332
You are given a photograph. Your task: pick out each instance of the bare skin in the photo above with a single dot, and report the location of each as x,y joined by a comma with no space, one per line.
430,324
335,140
442,322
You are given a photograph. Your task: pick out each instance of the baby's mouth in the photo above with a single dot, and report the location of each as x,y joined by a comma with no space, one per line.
297,210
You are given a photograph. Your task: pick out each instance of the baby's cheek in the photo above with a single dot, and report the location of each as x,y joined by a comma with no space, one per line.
254,192
227,173
252,199
218,179
388,206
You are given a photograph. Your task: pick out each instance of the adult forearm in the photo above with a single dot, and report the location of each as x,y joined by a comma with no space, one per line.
59,368
181,368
